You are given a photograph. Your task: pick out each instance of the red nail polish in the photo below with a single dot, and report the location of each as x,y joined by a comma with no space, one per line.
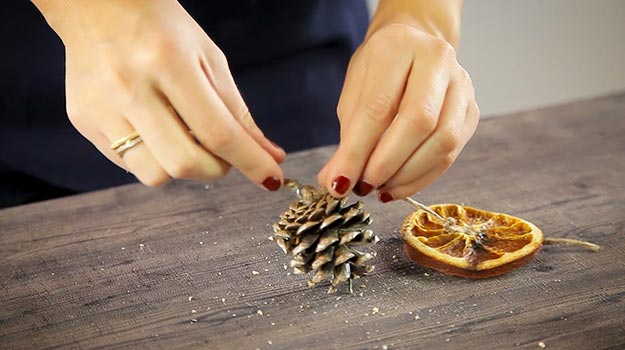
362,188
272,184
341,185
385,197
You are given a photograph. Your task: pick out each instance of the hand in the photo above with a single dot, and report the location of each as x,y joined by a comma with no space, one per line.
148,66
406,111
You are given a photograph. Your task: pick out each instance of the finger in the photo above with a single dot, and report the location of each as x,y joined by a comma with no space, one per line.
170,141
416,119
383,87
473,118
387,194
213,125
138,159
215,67
354,78
103,145
447,140
321,175
347,101
250,126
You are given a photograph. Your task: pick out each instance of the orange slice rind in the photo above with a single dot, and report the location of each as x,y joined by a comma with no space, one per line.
477,243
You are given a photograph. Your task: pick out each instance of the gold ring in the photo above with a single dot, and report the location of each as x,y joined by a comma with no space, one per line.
122,145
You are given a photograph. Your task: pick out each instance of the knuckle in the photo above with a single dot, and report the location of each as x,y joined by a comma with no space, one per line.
221,140
183,168
154,52
379,108
473,117
224,169
377,38
220,169
475,109
219,57
154,179
213,55
449,159
250,126
423,122
444,49
341,110
244,116
464,77
449,140
79,120
74,114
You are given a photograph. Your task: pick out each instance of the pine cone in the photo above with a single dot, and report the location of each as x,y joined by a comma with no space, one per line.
322,234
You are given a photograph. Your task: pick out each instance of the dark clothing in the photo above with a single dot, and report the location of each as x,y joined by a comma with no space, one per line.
288,58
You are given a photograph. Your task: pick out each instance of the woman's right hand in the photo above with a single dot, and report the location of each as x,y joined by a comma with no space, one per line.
148,66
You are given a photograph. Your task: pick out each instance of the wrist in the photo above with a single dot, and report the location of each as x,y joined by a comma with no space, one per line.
439,18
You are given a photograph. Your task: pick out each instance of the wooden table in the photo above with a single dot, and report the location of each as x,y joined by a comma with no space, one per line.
190,265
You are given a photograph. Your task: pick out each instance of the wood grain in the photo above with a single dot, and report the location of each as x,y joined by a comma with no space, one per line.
134,267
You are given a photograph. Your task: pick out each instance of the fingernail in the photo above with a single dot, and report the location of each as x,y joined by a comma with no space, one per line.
272,184
385,197
341,185
362,188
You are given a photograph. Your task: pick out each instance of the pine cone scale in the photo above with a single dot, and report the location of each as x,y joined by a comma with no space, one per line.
342,255
326,240
330,220
319,231
323,258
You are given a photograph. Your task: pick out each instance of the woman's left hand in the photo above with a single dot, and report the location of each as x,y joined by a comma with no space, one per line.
406,111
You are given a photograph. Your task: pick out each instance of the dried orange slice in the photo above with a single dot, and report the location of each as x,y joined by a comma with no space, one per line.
471,243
